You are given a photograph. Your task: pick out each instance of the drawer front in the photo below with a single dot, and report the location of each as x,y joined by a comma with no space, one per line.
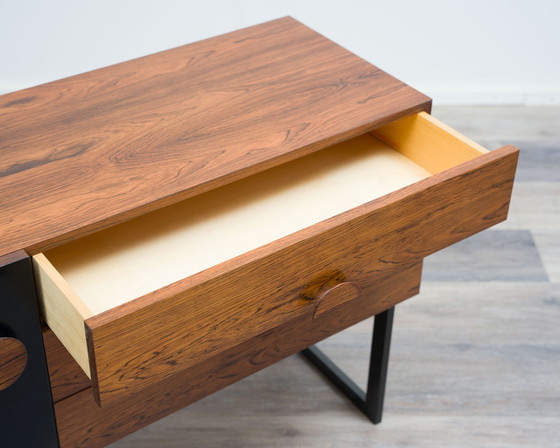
151,338
81,422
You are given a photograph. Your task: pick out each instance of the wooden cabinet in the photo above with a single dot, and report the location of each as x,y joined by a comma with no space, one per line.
203,212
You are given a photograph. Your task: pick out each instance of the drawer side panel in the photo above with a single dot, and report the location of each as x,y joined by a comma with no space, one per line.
62,310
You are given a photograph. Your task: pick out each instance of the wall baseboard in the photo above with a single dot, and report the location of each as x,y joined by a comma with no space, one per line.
458,97
493,97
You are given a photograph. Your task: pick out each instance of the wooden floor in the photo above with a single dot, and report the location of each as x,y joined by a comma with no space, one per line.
475,359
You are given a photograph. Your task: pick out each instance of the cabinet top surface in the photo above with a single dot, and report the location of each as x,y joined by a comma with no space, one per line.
86,152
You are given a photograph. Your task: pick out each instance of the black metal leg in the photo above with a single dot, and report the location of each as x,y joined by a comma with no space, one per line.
26,410
370,403
378,365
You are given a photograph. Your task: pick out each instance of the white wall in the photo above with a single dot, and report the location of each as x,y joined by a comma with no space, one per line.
457,51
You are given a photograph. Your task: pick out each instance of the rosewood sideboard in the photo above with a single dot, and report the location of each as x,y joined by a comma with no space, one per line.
171,224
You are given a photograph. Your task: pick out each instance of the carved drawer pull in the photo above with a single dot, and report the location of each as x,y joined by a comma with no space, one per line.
13,359
337,295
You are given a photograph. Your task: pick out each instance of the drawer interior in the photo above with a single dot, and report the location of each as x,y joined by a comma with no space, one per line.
139,256
99,272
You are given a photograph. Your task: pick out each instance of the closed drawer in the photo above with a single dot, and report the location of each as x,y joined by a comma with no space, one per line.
143,300
82,423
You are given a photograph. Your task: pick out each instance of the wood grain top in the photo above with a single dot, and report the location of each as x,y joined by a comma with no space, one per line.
85,152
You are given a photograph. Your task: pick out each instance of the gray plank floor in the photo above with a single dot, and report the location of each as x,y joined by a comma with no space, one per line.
475,358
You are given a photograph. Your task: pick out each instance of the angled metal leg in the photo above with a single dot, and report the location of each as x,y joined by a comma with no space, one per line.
26,410
378,365
370,402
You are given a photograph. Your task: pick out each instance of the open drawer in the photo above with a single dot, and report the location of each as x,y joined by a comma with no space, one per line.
157,294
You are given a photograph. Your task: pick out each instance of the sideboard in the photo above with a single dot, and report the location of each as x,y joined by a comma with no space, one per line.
171,224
